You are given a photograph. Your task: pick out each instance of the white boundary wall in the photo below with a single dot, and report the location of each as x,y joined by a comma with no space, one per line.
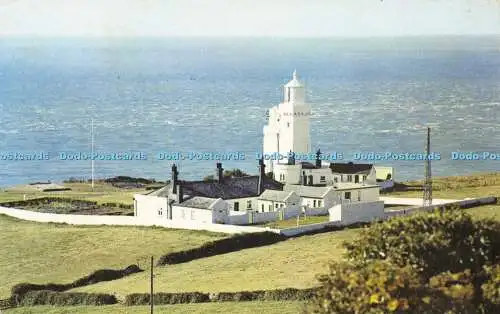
126,221
231,229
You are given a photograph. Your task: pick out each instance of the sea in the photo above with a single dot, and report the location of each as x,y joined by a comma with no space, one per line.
152,96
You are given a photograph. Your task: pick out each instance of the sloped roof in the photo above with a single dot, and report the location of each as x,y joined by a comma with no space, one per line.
351,168
276,196
230,188
308,191
198,202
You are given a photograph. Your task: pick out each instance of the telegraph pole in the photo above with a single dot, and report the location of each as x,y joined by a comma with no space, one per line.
92,148
427,197
151,297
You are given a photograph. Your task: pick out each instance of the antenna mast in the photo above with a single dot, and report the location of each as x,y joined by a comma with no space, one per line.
427,198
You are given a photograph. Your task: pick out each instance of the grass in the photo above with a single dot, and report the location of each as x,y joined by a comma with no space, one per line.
43,253
220,307
290,223
102,193
458,187
292,263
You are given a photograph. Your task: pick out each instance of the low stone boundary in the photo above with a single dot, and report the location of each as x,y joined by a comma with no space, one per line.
468,203
97,220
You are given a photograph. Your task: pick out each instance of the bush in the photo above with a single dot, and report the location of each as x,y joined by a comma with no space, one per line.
491,288
22,289
45,297
380,287
166,298
431,243
217,247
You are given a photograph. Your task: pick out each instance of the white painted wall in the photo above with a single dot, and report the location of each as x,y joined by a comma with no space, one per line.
149,206
358,212
192,214
127,221
243,203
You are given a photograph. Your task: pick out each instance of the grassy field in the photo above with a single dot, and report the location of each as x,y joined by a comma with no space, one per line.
289,223
220,307
102,193
477,185
293,263
43,253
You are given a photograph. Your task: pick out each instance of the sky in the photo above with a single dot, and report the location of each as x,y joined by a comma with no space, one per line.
275,18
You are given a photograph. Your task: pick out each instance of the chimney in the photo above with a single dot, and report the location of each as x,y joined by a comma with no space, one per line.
220,175
180,195
291,158
262,173
175,178
318,159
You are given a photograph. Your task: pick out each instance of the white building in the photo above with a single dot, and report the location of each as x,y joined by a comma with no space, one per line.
315,197
288,125
215,201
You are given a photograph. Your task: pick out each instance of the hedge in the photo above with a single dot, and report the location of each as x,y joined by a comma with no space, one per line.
167,298
20,290
46,297
288,294
223,246
48,200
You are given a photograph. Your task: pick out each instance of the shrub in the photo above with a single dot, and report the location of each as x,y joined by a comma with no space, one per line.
45,297
166,298
21,289
491,288
379,287
431,243
217,247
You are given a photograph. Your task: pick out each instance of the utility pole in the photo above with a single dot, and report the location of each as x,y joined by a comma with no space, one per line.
92,149
427,197
151,297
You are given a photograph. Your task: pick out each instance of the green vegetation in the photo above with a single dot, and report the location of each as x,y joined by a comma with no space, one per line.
303,220
199,308
290,264
102,193
235,173
44,253
458,187
424,263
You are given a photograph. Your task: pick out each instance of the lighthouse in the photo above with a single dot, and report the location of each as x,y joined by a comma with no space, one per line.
288,124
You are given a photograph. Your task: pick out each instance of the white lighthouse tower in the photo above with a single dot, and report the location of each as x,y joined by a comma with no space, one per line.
288,125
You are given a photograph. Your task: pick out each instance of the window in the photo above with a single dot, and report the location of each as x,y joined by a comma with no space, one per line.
319,203
364,178
249,204
288,124
336,179
282,205
349,178
236,206
160,212
270,207
356,179
359,196
347,195
276,205
262,207
322,178
288,98
314,203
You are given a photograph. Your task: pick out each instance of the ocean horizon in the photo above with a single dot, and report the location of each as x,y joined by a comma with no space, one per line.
154,95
